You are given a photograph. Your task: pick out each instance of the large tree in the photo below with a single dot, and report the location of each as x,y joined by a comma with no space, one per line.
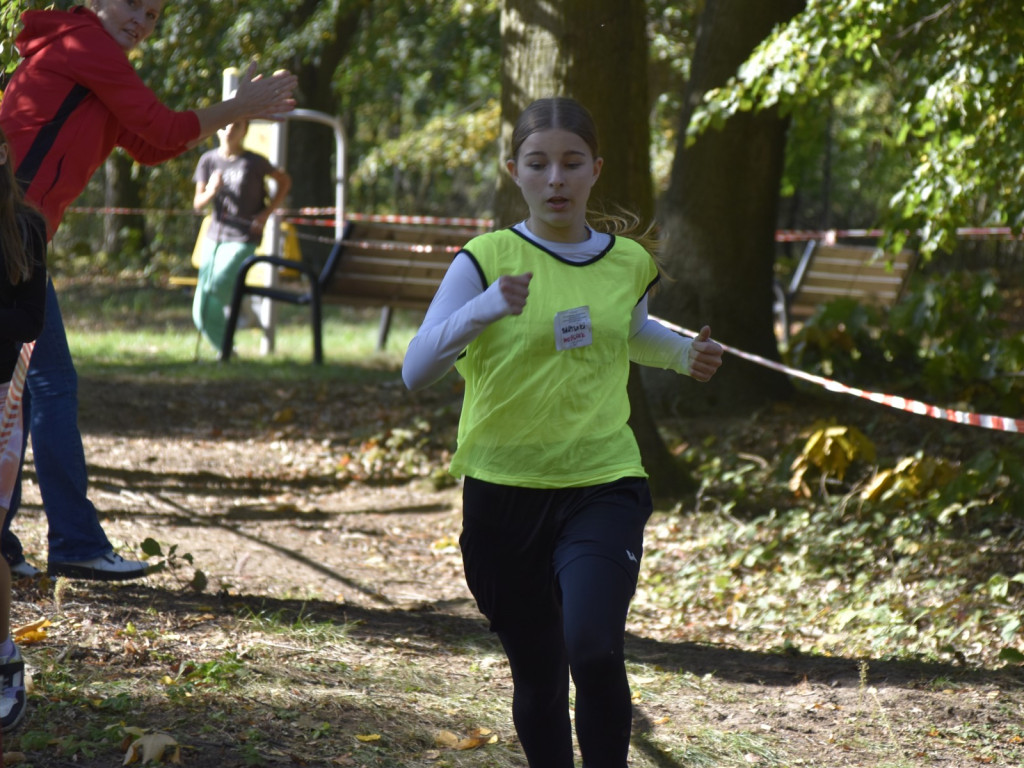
949,76
596,52
719,217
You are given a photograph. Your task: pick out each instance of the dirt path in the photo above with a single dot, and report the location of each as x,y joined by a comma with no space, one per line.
245,484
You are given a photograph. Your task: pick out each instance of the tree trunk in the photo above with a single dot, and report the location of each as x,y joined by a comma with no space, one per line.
596,52
311,146
532,67
719,217
121,190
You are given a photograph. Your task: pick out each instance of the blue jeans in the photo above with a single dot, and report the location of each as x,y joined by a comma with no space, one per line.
50,412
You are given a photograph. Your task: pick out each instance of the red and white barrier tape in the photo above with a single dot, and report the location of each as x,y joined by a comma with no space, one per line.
10,409
1001,423
803,235
107,210
470,225
385,218
389,218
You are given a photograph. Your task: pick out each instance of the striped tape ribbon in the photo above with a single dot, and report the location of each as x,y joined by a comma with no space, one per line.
469,224
10,455
385,218
798,235
1001,423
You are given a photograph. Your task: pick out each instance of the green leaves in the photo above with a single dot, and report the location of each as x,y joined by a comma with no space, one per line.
954,73
10,24
946,341
174,563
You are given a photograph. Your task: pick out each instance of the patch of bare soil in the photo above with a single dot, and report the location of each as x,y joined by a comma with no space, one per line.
243,481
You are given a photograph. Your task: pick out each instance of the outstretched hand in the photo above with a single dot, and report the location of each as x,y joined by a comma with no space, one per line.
705,355
515,289
266,98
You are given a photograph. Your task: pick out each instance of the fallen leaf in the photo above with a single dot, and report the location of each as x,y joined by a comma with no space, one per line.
151,748
34,625
445,544
478,737
32,633
368,736
284,416
446,739
13,758
474,742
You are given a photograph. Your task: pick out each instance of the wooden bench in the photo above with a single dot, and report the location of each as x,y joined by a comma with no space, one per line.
374,264
827,272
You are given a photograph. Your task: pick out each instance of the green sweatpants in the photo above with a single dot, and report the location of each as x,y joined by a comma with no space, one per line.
218,269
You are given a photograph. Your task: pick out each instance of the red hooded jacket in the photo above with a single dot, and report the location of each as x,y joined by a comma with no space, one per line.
73,98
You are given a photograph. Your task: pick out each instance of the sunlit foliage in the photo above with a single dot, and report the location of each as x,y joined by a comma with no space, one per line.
947,78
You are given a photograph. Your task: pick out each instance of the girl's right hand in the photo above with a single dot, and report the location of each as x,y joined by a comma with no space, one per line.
266,98
515,289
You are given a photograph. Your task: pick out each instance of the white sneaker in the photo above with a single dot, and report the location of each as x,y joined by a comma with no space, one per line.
12,697
24,570
108,567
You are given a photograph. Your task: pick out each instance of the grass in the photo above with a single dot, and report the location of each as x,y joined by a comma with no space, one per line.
133,329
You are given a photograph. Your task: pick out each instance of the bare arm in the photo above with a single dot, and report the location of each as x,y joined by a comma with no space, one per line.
206,191
283,180
282,185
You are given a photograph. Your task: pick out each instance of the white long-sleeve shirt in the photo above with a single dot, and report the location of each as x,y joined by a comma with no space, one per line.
463,307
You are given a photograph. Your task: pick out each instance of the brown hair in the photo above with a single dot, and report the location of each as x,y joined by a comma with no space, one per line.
567,114
19,220
556,112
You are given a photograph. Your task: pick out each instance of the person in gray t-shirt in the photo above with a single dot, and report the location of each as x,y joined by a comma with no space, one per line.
233,179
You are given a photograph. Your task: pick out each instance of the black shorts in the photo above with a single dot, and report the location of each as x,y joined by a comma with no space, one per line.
515,541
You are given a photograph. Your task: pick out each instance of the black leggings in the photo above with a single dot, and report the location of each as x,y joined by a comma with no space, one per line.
554,570
589,642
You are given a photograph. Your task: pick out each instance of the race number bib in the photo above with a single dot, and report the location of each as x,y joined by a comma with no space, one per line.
573,329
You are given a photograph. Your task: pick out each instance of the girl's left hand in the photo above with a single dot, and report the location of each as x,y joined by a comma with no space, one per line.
705,355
